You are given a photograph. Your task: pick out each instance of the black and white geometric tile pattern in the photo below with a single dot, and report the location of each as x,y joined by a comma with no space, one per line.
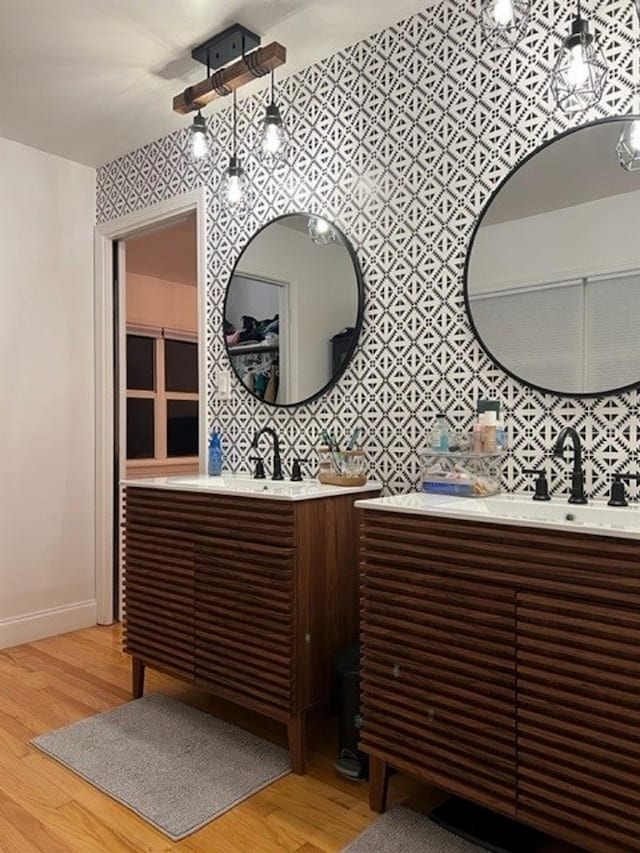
401,138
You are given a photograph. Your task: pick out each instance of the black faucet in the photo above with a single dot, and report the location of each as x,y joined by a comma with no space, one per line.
577,495
277,464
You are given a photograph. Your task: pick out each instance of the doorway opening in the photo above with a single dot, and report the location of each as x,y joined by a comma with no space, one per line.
161,397
150,364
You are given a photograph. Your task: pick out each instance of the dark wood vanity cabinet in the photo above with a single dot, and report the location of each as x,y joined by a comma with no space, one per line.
503,664
439,679
247,597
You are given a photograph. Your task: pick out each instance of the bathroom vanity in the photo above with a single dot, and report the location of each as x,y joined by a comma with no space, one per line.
245,587
500,658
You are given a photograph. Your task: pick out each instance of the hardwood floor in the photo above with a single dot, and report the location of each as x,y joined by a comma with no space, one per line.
46,808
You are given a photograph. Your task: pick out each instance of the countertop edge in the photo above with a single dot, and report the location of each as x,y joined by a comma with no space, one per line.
327,491
434,512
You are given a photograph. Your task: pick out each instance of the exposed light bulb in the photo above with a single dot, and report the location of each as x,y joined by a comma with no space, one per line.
628,147
199,147
273,133
234,190
578,69
321,231
272,141
504,21
634,137
580,73
503,13
199,144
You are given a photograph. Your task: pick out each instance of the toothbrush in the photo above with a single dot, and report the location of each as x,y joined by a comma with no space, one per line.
355,435
333,448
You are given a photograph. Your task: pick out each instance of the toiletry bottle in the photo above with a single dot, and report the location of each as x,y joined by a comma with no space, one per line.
490,432
477,438
501,435
215,454
443,426
440,434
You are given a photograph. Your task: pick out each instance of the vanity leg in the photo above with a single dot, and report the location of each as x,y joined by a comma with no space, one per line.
137,678
378,784
297,734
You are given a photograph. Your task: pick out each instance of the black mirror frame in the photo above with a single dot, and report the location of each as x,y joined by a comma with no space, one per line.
564,394
359,317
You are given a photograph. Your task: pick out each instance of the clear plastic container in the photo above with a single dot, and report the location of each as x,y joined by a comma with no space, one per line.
461,474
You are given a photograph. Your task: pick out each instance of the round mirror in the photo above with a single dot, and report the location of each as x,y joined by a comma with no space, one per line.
552,279
293,309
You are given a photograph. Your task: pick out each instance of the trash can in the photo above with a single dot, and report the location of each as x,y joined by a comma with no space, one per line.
351,763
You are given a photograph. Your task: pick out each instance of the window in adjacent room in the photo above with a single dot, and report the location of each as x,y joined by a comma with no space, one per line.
162,398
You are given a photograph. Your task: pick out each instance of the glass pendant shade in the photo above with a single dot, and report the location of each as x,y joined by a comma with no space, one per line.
199,142
321,231
628,147
274,136
580,72
505,20
234,186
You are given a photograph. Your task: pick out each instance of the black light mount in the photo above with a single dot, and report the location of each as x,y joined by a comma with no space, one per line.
225,47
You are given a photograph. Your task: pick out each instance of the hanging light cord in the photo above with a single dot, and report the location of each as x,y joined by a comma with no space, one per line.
235,127
273,87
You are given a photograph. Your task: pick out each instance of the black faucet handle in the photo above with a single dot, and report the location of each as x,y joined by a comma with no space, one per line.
618,496
296,472
542,484
258,473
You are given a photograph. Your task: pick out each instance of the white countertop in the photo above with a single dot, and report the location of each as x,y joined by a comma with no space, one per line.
241,485
594,518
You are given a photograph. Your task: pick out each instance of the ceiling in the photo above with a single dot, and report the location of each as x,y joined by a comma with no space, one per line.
93,79
578,168
168,253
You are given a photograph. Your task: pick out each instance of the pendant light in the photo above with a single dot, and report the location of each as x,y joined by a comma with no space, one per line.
199,141
274,135
505,20
580,72
628,147
234,184
321,231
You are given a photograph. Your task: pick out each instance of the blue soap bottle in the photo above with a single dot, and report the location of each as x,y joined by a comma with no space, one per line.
215,454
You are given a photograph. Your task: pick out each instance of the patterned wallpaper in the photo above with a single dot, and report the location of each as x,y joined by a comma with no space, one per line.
401,138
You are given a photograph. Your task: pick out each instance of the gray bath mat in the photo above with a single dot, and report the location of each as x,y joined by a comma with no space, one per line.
404,831
173,765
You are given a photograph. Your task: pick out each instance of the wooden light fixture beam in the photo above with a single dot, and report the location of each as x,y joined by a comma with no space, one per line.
255,64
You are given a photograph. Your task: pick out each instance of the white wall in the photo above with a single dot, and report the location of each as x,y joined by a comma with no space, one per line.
595,238
257,299
323,296
165,304
47,209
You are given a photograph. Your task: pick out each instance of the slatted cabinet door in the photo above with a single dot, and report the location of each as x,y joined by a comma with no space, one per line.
159,588
579,720
439,680
245,622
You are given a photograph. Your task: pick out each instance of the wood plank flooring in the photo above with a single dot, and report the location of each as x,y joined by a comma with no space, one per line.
46,808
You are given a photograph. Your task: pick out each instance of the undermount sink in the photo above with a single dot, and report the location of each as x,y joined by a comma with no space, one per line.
595,518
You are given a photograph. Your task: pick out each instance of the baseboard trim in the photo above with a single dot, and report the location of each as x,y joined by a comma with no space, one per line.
46,623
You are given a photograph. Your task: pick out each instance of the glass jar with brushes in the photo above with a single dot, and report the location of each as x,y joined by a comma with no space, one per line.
345,466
